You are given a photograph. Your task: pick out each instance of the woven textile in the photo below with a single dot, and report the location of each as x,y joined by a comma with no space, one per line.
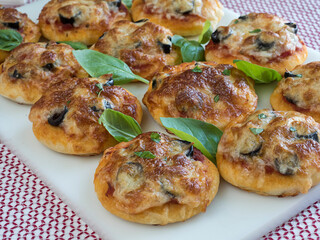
30,210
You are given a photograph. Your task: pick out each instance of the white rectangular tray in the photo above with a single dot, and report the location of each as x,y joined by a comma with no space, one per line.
233,214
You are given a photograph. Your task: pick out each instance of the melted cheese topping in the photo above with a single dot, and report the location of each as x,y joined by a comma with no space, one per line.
85,102
263,37
209,95
86,13
283,142
177,173
144,46
303,92
12,19
174,8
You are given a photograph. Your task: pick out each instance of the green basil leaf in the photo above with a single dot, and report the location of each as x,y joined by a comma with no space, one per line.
258,73
122,127
128,3
155,137
9,39
206,33
255,31
75,45
98,64
226,72
190,50
256,131
216,98
205,136
197,69
145,155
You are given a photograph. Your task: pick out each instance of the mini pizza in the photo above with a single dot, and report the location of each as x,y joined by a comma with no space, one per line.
271,153
65,119
259,38
210,92
32,68
144,46
11,18
183,17
155,181
299,91
80,20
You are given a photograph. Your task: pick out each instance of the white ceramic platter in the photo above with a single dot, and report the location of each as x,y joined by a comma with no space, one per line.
233,214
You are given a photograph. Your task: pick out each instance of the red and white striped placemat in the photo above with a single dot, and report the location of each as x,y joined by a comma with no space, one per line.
30,210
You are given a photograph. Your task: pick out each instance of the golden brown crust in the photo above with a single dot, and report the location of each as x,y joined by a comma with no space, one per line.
176,184
182,17
11,18
208,95
260,38
80,20
32,67
299,93
81,103
282,160
144,46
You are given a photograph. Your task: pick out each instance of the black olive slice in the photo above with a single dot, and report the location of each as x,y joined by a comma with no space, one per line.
13,25
95,109
154,83
217,36
142,20
290,100
109,83
133,170
106,104
166,191
115,3
189,153
290,74
166,48
186,10
102,35
313,136
57,118
288,165
243,17
254,152
71,20
16,74
48,66
264,46
293,25
183,141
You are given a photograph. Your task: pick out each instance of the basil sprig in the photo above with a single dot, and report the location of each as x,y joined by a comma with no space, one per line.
257,73
190,50
9,39
205,136
122,127
75,45
98,64
206,33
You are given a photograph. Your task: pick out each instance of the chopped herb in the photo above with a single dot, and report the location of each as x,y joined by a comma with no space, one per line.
165,159
226,72
256,131
197,69
100,86
155,137
68,102
216,98
299,75
255,31
145,155
262,116
292,129
236,21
